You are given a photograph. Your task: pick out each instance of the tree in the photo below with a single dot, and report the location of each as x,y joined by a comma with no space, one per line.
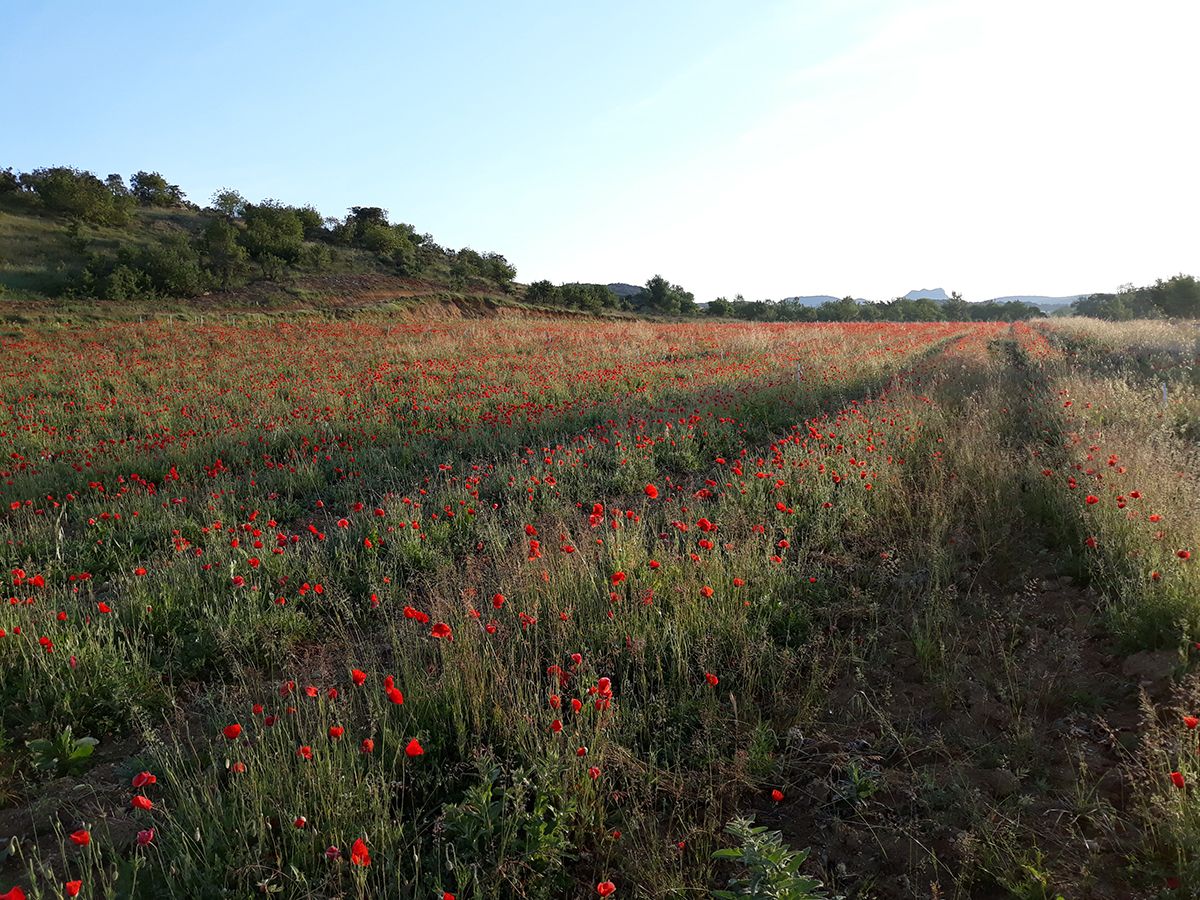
272,230
77,194
228,203
498,269
1178,296
221,252
720,308
116,184
956,308
543,293
151,189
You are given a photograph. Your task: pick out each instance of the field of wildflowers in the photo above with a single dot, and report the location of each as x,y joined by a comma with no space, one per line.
538,608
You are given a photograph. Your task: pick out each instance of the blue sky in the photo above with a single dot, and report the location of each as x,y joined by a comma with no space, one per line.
764,148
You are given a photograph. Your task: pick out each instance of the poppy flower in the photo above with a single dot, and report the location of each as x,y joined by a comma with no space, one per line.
15,894
336,731
1191,721
1184,554
651,492
777,795
300,821
440,630
711,679
1177,779
72,888
556,726
594,773
145,837
142,779
394,694
141,801
231,732
414,748
358,676
332,853
238,768
606,888
305,752
367,746
81,837
359,854
497,600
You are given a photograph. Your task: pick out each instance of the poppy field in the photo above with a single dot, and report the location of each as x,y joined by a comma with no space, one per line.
534,607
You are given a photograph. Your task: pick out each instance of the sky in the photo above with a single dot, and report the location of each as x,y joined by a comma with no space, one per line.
771,149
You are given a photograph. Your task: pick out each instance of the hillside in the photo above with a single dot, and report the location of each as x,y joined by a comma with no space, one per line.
66,239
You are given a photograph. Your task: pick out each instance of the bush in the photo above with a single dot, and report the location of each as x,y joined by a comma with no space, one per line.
170,268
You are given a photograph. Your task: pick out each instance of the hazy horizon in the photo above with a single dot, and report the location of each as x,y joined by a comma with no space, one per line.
776,150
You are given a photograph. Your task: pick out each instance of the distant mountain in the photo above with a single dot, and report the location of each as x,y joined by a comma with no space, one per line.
625,290
813,300
935,294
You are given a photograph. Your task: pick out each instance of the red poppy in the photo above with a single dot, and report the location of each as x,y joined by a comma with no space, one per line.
395,695
72,888
232,731
81,837
1191,721
652,492
440,630
414,748
777,795
497,600
367,746
359,854
605,888
336,731
15,894
141,802
1184,554
711,679
300,821
145,837
358,676
305,752
1177,779
142,779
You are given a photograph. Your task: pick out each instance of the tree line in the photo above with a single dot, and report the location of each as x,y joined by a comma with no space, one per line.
236,241
1178,297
